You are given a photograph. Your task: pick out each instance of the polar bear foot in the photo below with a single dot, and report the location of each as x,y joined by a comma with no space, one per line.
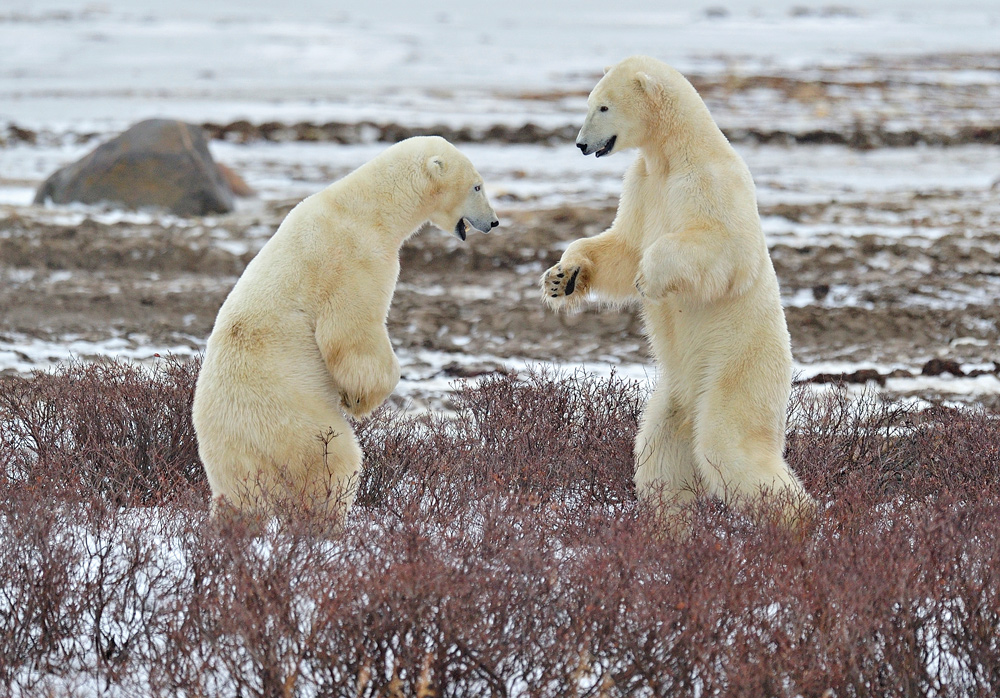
562,285
562,280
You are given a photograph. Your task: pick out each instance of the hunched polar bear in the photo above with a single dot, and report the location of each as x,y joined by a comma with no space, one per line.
302,337
687,244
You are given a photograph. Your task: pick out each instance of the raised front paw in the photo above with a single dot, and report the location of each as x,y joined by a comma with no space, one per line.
366,383
358,404
649,289
563,285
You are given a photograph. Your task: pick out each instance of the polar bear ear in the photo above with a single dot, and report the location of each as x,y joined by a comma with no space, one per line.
607,69
435,165
645,81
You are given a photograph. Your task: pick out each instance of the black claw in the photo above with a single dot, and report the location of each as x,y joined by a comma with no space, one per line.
560,275
571,284
555,295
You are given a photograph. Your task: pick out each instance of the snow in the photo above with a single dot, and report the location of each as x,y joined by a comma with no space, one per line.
24,354
312,59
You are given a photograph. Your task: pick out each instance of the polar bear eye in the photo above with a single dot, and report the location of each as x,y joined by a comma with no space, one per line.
604,108
477,187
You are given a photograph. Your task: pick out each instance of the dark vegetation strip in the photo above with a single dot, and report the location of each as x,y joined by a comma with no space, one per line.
857,136
932,367
495,552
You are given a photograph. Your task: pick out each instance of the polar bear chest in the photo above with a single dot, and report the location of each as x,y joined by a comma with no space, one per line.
656,206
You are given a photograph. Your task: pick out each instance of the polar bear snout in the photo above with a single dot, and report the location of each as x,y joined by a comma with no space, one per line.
599,150
463,225
483,225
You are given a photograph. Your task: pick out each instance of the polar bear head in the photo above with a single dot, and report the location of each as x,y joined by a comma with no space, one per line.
457,191
627,102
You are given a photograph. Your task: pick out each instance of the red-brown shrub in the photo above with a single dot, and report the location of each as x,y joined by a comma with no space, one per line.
541,435
109,427
496,551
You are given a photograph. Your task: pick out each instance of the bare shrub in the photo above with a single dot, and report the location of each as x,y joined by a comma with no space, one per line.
540,434
495,552
37,590
110,427
884,450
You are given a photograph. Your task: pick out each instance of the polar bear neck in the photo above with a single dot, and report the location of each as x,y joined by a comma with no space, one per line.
389,192
682,129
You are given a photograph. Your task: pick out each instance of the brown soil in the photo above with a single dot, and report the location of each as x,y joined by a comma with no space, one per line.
164,285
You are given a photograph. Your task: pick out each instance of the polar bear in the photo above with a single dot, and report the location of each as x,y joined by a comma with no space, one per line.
302,339
687,244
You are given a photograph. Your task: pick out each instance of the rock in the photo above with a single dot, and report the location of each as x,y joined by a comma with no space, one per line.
935,367
158,163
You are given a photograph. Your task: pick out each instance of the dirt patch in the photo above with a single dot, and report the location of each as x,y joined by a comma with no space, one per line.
870,300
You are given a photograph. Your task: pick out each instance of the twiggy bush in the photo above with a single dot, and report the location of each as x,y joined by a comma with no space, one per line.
495,552
110,428
541,435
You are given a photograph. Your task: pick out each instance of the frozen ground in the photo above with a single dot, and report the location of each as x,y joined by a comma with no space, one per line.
888,256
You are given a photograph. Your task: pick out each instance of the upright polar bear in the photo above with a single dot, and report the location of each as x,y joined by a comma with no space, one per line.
687,243
301,339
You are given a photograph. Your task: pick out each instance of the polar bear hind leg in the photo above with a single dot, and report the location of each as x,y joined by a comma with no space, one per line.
738,454
304,459
664,452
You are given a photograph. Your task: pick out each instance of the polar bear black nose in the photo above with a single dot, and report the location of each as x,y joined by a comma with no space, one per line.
494,224
582,147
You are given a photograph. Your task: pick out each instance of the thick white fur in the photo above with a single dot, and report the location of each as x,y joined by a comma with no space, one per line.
301,339
687,244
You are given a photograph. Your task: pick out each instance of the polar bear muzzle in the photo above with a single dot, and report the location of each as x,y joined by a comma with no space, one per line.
463,225
600,151
607,147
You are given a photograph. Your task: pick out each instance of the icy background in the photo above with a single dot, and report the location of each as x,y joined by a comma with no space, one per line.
107,64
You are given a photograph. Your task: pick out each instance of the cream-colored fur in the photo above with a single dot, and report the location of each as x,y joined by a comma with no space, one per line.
687,245
302,339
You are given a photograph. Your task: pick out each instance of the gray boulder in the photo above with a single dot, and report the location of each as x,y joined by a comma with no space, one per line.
159,163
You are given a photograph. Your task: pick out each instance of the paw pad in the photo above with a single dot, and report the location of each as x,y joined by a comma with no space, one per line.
561,281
